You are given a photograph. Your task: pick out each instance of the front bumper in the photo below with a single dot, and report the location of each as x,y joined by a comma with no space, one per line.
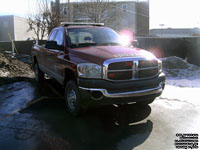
102,91
126,94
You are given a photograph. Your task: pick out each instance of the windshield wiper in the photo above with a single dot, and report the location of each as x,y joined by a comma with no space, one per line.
107,44
93,44
82,45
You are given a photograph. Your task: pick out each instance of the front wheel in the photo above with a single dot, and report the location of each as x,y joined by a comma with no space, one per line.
72,98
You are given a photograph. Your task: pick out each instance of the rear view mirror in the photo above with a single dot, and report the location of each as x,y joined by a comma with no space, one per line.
87,38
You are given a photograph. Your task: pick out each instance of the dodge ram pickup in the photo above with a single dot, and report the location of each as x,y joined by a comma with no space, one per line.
94,67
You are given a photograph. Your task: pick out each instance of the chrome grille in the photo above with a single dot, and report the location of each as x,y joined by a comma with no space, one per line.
130,69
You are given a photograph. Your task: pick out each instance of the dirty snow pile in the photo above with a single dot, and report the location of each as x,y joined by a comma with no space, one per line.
12,67
181,73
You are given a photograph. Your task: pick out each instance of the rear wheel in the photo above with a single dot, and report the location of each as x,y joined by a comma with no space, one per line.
39,75
72,98
146,102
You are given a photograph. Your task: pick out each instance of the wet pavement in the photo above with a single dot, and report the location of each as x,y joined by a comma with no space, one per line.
35,117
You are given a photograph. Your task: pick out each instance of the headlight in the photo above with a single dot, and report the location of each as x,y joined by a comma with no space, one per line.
89,70
159,66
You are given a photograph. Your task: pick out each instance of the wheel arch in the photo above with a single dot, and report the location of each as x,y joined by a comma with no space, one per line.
69,75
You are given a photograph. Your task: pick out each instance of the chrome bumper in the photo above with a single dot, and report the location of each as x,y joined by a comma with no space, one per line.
105,93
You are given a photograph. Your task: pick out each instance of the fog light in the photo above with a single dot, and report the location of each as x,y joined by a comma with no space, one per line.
96,95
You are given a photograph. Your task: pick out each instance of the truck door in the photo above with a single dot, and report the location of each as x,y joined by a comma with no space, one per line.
53,56
48,54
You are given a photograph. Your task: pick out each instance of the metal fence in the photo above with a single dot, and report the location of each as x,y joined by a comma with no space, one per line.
22,47
186,48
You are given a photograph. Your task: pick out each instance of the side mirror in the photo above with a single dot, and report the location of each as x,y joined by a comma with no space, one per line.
51,44
54,45
135,43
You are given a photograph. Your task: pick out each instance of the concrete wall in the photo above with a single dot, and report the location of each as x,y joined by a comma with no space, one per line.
6,26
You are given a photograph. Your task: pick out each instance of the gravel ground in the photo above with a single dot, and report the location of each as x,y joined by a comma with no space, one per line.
13,66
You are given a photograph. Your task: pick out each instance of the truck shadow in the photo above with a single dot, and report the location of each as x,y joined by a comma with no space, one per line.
100,128
107,127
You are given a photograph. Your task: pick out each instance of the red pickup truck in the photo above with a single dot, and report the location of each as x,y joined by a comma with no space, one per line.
94,68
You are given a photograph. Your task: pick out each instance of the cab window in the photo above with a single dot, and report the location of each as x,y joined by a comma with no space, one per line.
52,35
59,38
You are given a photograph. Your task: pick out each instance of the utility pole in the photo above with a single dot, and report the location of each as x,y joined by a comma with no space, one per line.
69,12
58,10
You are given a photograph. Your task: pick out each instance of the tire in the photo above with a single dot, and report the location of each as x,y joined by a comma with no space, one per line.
146,102
39,75
72,98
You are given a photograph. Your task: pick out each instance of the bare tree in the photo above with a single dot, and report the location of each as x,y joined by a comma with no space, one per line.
45,19
39,26
95,10
51,12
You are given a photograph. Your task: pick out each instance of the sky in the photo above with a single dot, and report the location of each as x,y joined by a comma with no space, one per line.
174,13
163,13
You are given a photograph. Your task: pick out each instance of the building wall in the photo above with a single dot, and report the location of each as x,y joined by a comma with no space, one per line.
124,16
16,26
171,32
6,26
142,21
20,28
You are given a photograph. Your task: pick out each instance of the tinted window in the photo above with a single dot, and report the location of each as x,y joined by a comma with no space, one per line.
92,36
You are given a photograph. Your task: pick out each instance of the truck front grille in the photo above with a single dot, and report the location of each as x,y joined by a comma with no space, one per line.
130,69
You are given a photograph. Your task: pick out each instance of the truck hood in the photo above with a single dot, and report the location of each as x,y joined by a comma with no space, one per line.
98,54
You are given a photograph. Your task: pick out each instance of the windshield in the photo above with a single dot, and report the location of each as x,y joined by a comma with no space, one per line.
80,37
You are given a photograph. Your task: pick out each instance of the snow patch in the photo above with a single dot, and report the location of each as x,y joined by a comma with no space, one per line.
180,94
180,73
183,82
4,74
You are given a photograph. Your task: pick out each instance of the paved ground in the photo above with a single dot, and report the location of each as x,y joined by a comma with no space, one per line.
36,118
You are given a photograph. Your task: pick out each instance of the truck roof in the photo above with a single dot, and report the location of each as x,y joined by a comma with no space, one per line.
85,26
65,24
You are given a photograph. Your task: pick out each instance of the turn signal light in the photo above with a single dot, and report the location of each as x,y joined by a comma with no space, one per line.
111,75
